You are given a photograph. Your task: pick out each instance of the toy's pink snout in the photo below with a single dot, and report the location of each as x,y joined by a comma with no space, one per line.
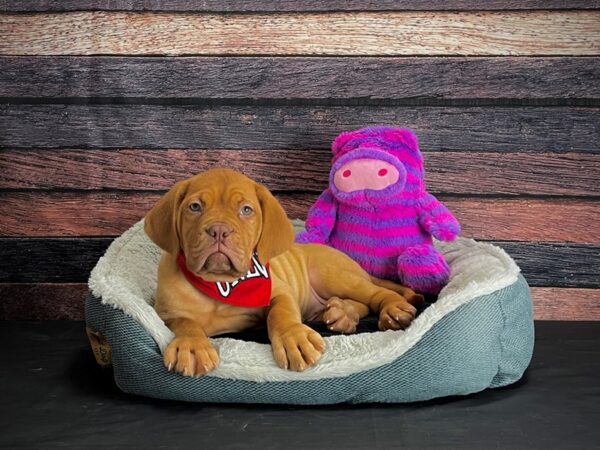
365,174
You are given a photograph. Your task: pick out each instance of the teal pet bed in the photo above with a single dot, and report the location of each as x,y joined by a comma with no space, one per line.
477,335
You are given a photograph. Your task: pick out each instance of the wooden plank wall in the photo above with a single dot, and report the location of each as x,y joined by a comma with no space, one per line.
105,104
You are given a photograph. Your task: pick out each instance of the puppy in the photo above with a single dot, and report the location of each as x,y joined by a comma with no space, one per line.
230,263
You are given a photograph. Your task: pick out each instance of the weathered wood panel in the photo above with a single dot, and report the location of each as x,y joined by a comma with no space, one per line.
566,304
70,260
566,129
150,170
93,214
548,174
410,79
109,214
570,265
72,214
58,260
115,132
288,5
65,301
528,220
356,33
42,301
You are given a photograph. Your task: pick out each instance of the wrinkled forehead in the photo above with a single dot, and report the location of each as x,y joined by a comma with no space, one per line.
221,187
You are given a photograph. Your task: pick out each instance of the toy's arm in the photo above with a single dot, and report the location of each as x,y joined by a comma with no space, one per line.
436,219
320,220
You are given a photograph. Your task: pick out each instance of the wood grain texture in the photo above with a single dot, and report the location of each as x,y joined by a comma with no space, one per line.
58,260
288,5
109,214
569,265
65,301
158,170
42,301
93,214
478,173
566,304
528,220
567,129
70,260
414,79
574,33
90,142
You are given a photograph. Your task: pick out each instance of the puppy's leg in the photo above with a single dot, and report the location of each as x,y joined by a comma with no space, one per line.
295,345
395,312
411,296
343,315
390,314
190,353
344,278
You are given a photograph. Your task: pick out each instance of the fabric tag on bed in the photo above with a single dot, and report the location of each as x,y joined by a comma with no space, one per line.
251,291
100,347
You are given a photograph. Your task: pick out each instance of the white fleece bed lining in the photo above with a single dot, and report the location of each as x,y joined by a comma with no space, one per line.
125,278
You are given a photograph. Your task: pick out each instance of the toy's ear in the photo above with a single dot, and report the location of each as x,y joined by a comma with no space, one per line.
382,134
277,234
402,136
160,224
342,139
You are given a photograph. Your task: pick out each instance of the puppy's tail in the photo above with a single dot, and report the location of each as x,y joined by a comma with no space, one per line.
406,292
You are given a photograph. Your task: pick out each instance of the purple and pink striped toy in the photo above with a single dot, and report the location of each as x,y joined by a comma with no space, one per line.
377,210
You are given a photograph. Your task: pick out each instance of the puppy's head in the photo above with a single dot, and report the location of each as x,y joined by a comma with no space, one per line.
219,218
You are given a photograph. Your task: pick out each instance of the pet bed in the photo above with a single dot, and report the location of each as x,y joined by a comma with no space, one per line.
477,335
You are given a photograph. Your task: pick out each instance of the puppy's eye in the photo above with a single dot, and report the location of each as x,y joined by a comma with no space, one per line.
195,207
246,211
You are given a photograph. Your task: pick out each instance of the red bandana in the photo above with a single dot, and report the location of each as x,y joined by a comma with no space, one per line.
251,291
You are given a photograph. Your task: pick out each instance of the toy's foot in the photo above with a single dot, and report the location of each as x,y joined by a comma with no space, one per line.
340,315
423,269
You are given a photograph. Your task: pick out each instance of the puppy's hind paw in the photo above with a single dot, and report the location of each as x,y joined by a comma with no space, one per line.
396,315
340,316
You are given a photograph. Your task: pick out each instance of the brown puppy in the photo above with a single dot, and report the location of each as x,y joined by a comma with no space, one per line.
214,223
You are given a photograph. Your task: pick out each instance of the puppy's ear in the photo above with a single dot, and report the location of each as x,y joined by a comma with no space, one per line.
160,224
277,235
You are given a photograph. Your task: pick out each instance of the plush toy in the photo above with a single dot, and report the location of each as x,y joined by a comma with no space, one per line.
377,210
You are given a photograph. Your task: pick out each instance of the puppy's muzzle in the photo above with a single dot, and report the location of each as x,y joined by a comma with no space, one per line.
219,231
221,257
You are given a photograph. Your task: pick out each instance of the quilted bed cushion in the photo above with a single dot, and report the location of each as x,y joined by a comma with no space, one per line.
477,335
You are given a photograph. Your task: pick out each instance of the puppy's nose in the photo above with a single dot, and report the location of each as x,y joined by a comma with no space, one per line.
219,231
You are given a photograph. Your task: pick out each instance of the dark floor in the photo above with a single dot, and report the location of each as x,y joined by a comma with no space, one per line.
52,395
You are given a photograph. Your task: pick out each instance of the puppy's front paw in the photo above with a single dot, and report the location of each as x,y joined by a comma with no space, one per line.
191,356
396,315
297,348
340,316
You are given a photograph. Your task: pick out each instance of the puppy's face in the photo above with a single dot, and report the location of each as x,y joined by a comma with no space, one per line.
219,219
220,223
